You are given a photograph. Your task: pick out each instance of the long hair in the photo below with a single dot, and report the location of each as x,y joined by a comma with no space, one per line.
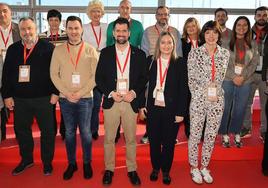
190,20
157,52
247,37
210,25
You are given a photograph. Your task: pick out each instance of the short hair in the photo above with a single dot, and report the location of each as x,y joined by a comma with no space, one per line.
26,18
53,13
160,7
73,18
5,4
121,21
189,20
210,25
262,8
123,1
95,4
219,10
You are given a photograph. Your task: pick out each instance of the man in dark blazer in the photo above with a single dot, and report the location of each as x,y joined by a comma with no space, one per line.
121,75
9,34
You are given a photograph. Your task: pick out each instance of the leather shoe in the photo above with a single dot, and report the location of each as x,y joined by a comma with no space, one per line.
166,179
154,175
88,173
47,170
21,167
95,135
265,172
134,178
68,174
107,177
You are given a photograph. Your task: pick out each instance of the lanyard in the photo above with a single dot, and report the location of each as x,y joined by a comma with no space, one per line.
213,70
258,35
125,64
192,43
97,40
78,55
162,77
3,38
158,32
52,37
241,53
25,55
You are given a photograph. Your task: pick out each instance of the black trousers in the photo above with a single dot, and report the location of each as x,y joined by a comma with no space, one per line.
265,150
162,133
24,112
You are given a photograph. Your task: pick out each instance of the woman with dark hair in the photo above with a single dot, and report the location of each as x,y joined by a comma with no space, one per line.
206,70
237,83
166,104
190,40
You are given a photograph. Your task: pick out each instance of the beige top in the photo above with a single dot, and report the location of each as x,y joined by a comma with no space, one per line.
62,69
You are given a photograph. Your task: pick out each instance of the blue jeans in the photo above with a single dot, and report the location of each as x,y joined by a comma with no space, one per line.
77,114
235,103
96,109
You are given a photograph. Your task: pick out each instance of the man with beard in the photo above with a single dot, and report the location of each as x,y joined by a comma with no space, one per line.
9,34
152,33
221,16
28,90
121,77
259,30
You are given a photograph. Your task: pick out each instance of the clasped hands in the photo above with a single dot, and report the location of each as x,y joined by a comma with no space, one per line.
128,97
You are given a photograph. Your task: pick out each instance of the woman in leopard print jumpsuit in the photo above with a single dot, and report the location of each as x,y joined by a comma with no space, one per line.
206,71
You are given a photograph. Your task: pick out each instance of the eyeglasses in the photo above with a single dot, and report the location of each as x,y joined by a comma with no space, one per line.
162,14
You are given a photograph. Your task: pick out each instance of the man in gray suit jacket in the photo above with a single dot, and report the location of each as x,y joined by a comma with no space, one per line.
9,34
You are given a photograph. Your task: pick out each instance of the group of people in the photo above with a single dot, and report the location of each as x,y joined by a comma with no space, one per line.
205,78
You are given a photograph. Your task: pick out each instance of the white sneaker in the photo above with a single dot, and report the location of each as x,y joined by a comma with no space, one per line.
206,175
196,176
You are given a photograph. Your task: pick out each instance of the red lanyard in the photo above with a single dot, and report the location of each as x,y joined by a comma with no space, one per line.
162,77
25,55
125,64
192,43
213,70
159,31
97,40
3,38
226,33
241,53
258,35
78,56
52,37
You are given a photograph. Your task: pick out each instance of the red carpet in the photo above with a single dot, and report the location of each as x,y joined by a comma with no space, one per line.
231,167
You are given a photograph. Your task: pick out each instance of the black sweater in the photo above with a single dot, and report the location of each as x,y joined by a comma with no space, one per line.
40,84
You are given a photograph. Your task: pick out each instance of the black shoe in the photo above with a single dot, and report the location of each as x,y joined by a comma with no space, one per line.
245,133
107,177
68,174
21,167
166,178
154,175
134,178
265,172
117,138
63,136
47,169
95,136
88,173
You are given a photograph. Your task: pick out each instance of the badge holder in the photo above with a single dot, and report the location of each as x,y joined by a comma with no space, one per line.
3,53
122,86
160,98
239,68
75,79
212,92
24,73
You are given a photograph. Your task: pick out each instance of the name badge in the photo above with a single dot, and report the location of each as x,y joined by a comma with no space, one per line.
259,66
24,73
122,86
159,98
3,53
212,92
75,79
238,69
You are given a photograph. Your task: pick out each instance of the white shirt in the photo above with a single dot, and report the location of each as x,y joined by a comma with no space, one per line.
6,33
89,37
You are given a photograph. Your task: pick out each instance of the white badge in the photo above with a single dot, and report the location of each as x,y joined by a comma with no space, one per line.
24,73
75,79
160,98
212,92
238,69
259,66
122,86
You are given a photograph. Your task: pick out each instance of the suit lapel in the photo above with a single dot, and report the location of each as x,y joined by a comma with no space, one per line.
131,66
15,32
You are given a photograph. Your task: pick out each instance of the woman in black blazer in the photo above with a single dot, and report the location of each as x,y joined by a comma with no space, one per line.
166,104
